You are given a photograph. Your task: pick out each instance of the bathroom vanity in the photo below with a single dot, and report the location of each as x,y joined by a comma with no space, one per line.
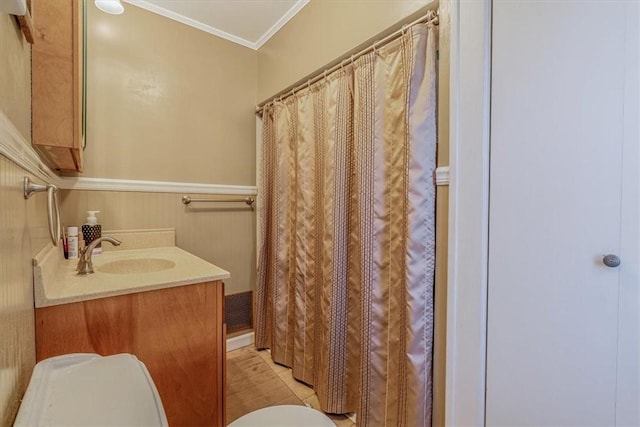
162,304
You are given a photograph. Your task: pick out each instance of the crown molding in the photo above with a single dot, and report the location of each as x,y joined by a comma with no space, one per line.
16,148
109,184
255,45
293,11
442,175
191,22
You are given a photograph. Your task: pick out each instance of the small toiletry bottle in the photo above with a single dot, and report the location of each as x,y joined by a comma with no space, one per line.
65,245
91,231
72,242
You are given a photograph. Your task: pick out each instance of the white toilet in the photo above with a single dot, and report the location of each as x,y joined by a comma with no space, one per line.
91,390
284,416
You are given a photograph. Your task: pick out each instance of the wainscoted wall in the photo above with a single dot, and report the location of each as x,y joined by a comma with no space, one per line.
223,233
23,232
23,226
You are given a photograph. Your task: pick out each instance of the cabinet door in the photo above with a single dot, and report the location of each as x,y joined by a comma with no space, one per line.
561,74
178,337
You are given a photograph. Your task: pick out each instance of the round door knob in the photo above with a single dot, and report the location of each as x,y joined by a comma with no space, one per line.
611,260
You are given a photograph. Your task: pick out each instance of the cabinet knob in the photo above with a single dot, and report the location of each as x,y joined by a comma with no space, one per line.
611,260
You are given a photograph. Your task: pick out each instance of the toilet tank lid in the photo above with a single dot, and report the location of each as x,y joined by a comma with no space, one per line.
91,390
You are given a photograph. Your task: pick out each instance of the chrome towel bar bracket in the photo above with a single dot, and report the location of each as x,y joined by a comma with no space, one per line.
31,187
248,200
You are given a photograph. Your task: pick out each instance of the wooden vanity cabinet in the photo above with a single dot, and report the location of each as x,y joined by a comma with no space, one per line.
178,333
57,83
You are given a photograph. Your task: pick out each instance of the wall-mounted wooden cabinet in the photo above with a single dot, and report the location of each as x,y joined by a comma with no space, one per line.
57,83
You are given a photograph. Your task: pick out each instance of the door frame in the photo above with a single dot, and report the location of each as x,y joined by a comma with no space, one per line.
470,92
470,101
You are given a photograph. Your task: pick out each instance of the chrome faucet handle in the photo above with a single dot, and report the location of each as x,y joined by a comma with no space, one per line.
81,253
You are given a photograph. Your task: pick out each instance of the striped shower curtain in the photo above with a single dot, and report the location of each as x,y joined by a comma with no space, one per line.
346,270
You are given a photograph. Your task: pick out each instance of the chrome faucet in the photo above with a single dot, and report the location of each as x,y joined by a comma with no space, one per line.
85,263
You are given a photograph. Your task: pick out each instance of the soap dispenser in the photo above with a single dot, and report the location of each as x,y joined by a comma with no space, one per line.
91,231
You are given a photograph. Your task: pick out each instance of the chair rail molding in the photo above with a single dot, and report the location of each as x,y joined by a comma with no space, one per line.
16,148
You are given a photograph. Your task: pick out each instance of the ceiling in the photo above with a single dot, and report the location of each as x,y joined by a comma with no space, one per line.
247,22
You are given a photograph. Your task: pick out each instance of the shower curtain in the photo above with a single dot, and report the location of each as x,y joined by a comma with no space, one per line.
346,269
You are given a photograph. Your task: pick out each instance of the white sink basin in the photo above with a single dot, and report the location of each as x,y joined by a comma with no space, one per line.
136,266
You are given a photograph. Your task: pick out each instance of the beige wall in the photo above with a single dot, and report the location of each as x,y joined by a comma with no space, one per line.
23,228
222,234
320,33
167,102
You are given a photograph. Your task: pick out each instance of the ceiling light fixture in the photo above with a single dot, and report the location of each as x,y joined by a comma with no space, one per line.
113,7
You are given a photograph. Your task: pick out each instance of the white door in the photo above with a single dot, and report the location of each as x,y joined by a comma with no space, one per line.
562,333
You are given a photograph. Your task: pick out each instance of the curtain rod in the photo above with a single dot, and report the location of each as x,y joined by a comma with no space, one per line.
430,18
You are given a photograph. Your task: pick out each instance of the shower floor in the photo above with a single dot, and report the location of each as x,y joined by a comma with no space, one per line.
255,382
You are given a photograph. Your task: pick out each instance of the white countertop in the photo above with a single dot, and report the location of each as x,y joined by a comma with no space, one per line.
56,281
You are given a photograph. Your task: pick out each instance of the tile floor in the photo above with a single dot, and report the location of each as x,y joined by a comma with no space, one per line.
255,382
